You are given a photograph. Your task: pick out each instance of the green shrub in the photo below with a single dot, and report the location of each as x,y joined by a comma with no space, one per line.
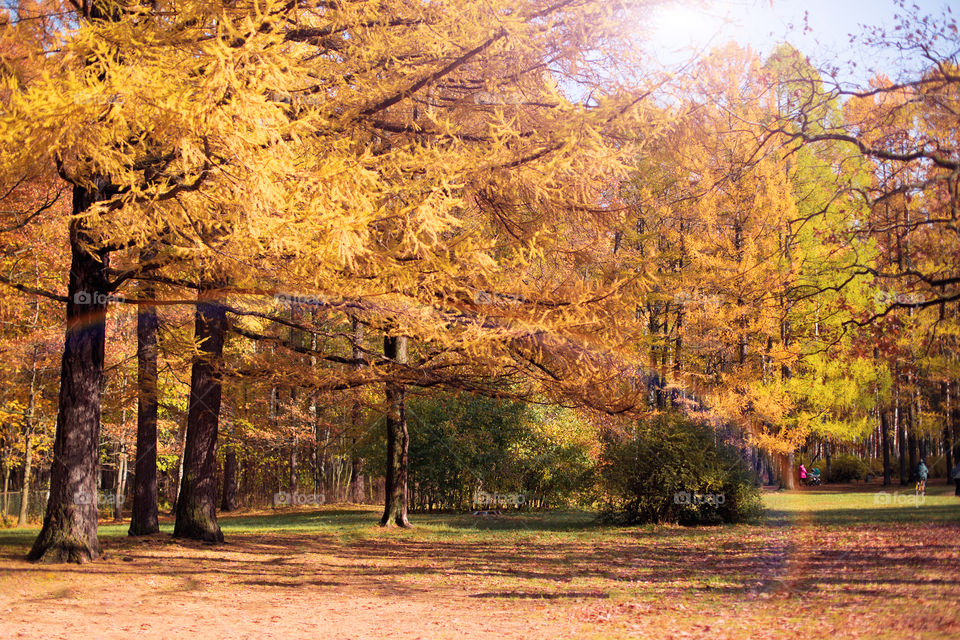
673,470
847,468
462,444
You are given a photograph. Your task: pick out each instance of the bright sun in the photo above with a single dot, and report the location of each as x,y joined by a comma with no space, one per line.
680,25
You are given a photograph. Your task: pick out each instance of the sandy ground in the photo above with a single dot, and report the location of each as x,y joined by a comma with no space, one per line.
758,582
253,587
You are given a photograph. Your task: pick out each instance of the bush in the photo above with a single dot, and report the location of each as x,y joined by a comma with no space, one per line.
673,470
847,468
462,444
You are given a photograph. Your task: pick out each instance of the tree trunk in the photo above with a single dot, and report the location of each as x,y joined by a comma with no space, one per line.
901,443
952,415
28,437
144,519
395,487
294,485
179,477
25,487
885,438
120,486
827,457
197,502
948,450
229,500
912,444
788,479
6,487
357,490
69,530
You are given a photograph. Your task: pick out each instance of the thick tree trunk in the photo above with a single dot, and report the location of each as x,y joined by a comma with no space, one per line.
885,438
197,502
69,530
395,487
788,479
144,519
229,500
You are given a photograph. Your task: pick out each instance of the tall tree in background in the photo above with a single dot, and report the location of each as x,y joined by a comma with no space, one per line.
145,515
197,501
398,441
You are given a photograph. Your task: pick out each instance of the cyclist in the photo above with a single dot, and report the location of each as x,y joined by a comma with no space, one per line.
922,472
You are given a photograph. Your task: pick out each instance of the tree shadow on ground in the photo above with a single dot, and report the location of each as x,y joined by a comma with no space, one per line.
890,514
864,552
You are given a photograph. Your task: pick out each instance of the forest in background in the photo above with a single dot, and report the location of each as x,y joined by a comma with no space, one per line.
283,246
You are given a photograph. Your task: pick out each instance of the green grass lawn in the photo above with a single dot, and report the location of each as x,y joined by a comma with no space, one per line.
865,506
829,507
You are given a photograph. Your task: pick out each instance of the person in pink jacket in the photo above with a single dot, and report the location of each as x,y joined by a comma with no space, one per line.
803,474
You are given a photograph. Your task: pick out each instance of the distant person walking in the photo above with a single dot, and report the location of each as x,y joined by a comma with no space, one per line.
922,473
803,474
955,474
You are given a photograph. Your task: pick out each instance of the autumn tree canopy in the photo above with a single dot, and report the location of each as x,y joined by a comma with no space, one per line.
307,202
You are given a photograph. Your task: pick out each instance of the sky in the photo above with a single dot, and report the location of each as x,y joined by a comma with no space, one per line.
819,28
